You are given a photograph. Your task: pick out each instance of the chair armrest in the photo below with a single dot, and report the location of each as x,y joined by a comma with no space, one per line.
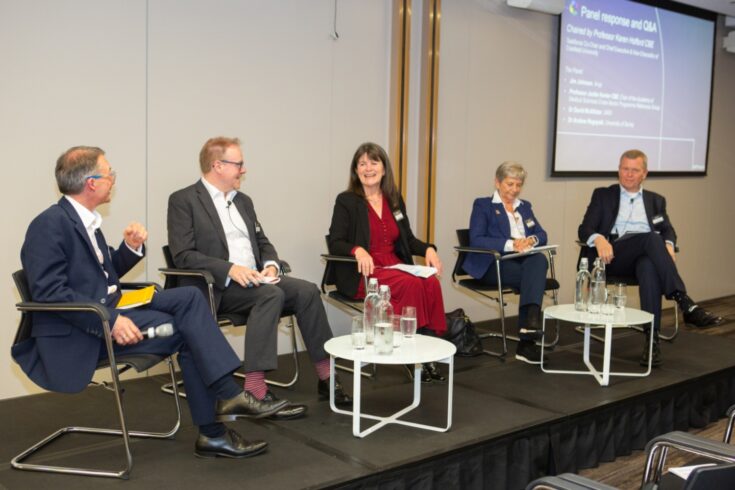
285,267
477,250
204,274
339,258
139,285
31,306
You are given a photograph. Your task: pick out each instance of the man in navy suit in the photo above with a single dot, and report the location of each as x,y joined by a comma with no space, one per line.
629,229
66,259
213,226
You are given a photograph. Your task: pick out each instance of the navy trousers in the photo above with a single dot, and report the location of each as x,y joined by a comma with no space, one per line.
204,354
644,255
528,274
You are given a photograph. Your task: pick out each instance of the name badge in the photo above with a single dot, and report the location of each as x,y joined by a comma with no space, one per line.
497,211
657,219
398,215
257,227
530,223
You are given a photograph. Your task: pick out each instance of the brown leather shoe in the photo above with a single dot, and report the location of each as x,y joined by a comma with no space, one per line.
230,445
292,411
246,405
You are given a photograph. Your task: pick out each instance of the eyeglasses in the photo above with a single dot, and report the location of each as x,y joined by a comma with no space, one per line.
239,164
112,175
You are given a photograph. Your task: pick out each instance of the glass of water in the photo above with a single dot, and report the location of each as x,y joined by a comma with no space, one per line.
408,322
383,340
608,308
359,338
621,296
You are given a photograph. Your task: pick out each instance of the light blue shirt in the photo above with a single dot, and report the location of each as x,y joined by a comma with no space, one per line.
631,214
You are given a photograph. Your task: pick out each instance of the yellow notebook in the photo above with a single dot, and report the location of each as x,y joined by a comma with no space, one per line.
136,297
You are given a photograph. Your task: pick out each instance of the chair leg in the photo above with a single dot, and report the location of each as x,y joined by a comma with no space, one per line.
295,353
17,462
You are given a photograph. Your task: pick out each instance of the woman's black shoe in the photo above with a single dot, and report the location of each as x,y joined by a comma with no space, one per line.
430,373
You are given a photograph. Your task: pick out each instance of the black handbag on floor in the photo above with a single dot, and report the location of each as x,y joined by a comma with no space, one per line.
461,332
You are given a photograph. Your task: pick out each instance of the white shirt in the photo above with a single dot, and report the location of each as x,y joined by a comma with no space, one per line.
236,231
631,213
516,222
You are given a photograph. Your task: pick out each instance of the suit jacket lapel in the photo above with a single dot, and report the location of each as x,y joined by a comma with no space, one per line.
614,196
81,230
208,206
502,216
648,204
239,203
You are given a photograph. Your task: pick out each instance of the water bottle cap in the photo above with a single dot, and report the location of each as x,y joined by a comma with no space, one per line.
584,262
373,280
384,287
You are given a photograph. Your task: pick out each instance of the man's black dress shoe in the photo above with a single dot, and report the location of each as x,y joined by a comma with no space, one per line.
430,373
292,411
246,405
656,355
341,399
701,318
230,445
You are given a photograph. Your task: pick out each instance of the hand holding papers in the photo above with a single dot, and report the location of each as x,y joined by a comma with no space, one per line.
531,250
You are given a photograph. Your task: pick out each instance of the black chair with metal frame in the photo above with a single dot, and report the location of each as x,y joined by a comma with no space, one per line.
346,304
224,320
630,280
461,278
139,362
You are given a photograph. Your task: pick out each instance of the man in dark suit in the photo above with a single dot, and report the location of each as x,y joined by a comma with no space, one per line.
629,229
213,226
66,259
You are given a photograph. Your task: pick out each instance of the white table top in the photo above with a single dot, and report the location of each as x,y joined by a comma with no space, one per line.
625,316
419,349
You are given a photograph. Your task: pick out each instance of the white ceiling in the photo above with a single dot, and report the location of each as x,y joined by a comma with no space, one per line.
726,7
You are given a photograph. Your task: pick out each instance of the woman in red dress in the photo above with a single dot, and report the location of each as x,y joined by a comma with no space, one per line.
369,222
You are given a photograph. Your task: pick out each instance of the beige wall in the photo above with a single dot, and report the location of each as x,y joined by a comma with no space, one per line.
149,81
496,103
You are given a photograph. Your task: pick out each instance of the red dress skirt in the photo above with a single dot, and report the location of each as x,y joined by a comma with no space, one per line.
405,289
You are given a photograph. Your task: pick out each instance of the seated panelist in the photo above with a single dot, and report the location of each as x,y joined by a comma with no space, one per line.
507,224
66,259
369,222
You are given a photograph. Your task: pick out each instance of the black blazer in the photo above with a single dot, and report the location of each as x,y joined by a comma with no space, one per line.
350,228
603,211
197,239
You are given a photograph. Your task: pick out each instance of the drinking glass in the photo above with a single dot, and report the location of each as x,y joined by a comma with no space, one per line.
358,333
397,334
408,322
608,308
621,296
383,339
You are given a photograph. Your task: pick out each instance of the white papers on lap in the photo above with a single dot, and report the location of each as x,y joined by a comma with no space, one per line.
270,280
532,250
416,270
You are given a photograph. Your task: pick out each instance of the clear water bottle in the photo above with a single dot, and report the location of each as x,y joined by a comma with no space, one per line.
582,291
370,309
598,291
383,338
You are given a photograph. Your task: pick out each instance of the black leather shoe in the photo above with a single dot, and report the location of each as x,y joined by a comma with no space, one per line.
341,399
655,357
292,411
528,351
700,318
230,445
430,373
246,405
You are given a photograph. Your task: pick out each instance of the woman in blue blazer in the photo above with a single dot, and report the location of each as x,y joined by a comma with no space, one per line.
507,224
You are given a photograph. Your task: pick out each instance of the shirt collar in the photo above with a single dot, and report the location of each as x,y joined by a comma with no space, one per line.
631,195
91,220
216,193
497,200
